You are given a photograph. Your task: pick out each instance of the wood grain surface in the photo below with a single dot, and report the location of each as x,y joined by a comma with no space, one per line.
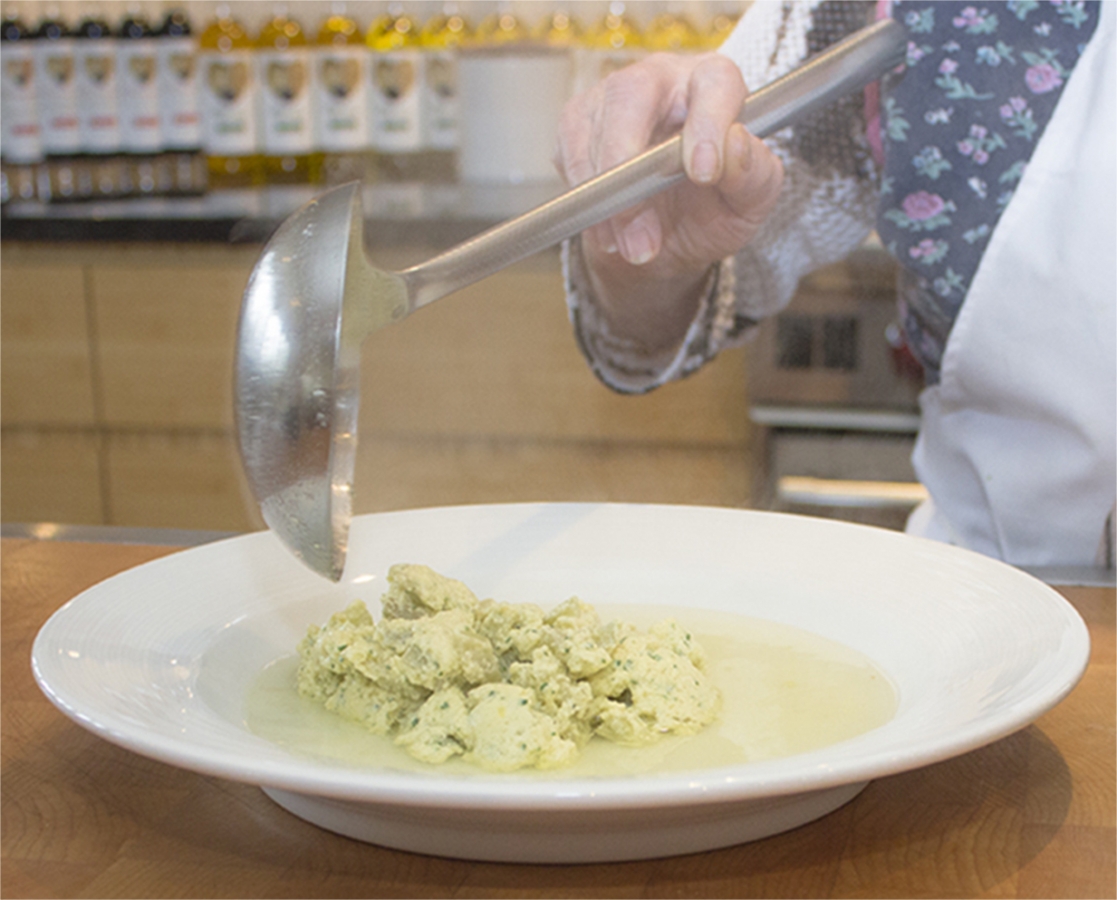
1031,815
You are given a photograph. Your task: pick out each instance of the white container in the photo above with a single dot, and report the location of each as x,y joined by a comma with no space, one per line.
511,103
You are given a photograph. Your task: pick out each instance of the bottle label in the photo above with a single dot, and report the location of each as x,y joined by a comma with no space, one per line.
286,124
139,96
98,107
57,96
20,135
441,107
180,120
227,100
397,98
341,98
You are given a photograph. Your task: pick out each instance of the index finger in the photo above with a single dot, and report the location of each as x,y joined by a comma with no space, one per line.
715,94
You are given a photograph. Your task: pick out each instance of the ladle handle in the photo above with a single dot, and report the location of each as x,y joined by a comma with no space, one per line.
848,65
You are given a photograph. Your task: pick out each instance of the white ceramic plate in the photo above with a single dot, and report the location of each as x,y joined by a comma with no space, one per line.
159,659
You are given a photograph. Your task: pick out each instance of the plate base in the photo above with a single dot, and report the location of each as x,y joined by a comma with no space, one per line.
565,835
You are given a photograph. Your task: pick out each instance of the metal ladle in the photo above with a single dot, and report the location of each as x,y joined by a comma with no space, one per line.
313,298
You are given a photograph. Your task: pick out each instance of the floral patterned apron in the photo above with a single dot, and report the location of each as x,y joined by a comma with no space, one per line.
1019,436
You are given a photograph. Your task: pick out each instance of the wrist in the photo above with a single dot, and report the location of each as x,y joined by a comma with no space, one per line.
650,305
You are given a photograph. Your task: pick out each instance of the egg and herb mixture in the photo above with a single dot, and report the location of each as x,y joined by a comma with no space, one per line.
504,686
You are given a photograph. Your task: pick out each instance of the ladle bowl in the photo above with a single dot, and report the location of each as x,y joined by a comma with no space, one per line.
314,296
297,376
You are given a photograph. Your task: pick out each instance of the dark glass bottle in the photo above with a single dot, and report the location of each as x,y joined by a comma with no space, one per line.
21,145
102,171
180,123
56,94
140,135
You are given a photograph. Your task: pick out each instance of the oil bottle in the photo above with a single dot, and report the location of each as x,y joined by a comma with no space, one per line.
140,134
672,32
102,173
559,29
614,43
396,99
227,102
441,38
56,94
340,95
180,120
501,28
721,24
286,123
21,145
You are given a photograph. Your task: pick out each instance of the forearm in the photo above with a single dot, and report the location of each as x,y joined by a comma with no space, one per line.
624,363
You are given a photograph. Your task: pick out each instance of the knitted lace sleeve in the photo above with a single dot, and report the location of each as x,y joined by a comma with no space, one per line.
825,211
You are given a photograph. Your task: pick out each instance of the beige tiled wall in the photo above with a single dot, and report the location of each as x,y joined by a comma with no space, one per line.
50,475
117,404
46,375
117,363
396,474
164,335
175,479
498,360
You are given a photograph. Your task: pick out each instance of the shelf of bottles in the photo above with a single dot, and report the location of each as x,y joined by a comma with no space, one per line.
106,100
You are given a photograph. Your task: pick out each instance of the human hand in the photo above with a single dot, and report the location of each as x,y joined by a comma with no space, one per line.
670,241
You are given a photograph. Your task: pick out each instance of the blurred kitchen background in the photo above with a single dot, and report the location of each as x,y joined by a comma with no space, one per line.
148,151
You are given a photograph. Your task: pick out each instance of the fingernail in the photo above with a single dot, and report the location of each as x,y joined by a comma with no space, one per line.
637,245
605,237
704,162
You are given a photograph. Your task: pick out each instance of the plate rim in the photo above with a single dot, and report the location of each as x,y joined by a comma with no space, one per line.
717,785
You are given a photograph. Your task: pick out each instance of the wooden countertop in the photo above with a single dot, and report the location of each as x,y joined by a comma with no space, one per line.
1032,815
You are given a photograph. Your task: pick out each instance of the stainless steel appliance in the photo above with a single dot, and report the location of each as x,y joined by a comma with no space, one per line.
834,397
